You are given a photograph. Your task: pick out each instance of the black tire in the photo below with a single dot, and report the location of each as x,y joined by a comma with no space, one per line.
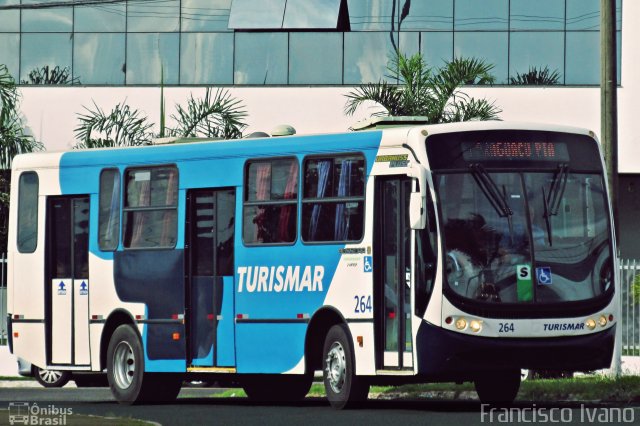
277,388
125,372
344,389
499,387
51,378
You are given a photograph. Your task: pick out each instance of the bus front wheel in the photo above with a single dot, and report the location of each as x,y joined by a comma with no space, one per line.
344,389
125,372
499,387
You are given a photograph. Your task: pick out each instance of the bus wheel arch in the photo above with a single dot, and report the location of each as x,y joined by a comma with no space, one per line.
115,320
317,331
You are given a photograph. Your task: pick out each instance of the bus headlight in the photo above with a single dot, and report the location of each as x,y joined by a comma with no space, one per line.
461,323
475,325
602,321
590,323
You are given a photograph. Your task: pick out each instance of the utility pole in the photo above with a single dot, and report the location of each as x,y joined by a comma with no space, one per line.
609,99
609,132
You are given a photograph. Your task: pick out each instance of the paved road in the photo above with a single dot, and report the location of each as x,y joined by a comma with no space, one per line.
198,407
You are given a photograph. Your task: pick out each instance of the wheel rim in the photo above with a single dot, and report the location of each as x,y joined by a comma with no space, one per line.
124,363
50,376
336,368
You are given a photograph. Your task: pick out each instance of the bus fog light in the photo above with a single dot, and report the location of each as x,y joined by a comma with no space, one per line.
602,321
475,325
461,323
590,323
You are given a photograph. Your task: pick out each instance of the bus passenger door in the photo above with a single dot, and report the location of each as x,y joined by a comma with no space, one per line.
67,242
392,292
210,305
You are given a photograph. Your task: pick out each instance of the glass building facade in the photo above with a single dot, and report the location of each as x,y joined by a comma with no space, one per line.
295,42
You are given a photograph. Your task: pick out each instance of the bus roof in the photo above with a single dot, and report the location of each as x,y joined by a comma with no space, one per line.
258,147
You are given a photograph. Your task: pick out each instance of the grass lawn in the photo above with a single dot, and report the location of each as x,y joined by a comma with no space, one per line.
584,388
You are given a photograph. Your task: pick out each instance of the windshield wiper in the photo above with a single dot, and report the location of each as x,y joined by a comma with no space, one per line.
489,188
556,192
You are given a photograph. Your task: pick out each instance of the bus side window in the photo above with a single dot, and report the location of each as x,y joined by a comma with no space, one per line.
151,207
333,199
270,201
109,210
28,212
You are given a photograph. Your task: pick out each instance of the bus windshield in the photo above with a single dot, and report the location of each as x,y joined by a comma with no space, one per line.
533,254
524,217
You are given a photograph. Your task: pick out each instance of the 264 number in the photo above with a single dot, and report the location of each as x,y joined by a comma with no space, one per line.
506,327
363,304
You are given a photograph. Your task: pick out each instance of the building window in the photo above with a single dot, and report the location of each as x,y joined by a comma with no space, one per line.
206,58
260,58
306,66
333,199
152,58
151,208
287,14
109,210
270,201
28,212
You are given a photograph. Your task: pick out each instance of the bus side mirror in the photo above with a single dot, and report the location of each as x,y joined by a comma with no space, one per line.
417,211
417,200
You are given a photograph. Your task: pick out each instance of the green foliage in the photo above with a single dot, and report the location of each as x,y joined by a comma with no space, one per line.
217,115
635,289
13,141
51,76
423,91
536,77
122,126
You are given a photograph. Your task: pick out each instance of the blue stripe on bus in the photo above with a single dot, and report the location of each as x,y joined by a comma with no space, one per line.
221,164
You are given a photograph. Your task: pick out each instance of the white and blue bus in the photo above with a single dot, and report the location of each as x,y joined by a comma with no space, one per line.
424,253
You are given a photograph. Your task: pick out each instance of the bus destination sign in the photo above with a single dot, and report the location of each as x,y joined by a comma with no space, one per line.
515,151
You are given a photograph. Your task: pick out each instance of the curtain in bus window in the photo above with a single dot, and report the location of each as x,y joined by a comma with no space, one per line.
109,210
284,232
168,216
141,218
323,166
341,229
113,223
263,189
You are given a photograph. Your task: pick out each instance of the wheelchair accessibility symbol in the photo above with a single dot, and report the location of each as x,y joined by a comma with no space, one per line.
368,263
543,274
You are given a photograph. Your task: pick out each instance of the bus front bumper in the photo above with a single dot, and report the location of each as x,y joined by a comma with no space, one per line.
449,355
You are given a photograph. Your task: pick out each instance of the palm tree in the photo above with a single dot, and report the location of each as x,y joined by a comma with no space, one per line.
51,76
423,91
13,141
122,126
536,77
215,115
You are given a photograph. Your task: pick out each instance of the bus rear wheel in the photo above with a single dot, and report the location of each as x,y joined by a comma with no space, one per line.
498,387
125,372
344,389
